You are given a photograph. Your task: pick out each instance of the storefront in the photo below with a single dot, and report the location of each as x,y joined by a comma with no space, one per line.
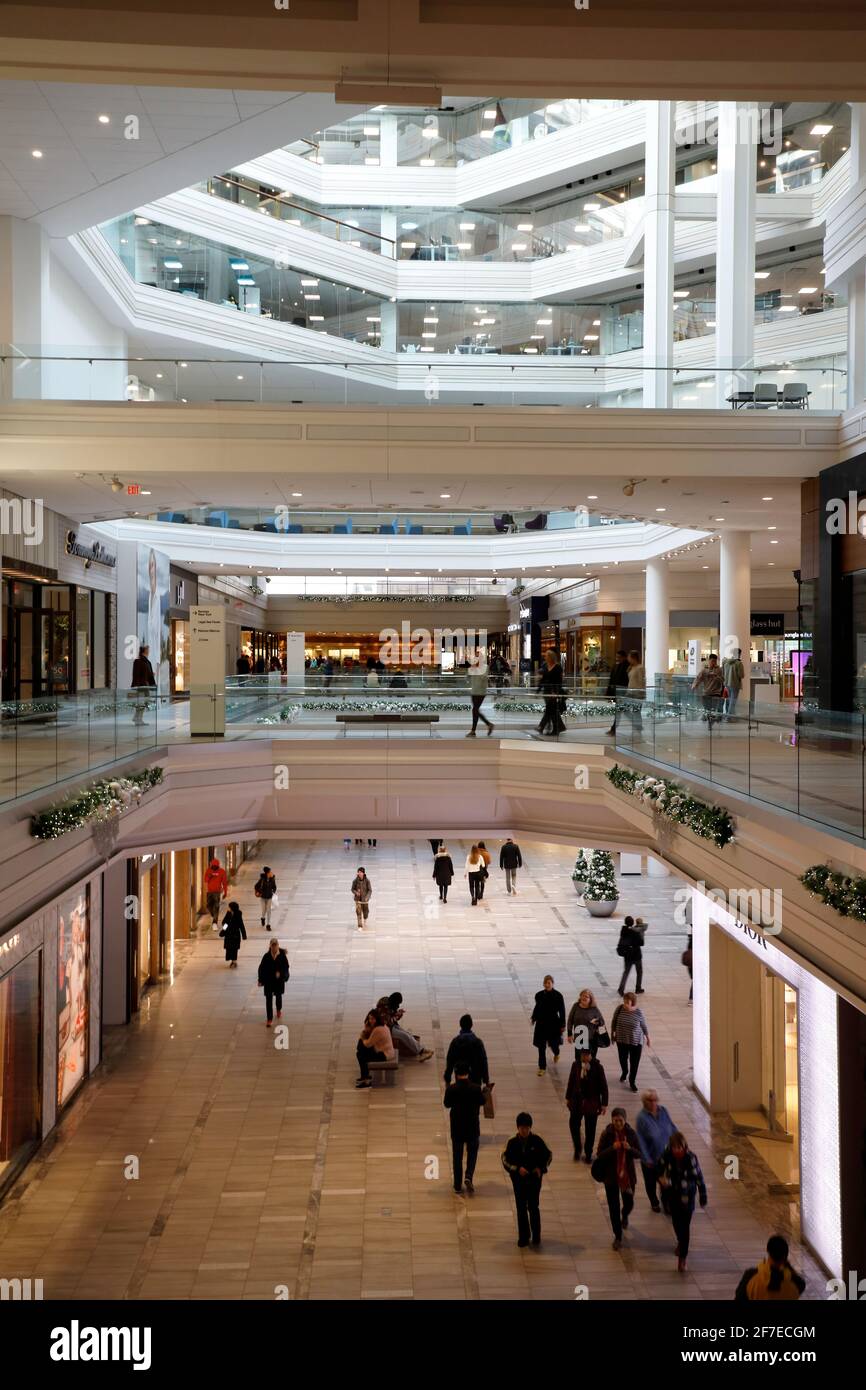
265,646
533,615
57,638
20,1058
591,643
183,595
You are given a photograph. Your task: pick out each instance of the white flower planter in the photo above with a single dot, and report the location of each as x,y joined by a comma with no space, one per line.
602,907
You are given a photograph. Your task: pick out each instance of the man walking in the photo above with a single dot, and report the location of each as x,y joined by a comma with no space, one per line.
464,1099
510,859
266,891
654,1129
617,684
734,675
478,677
467,1051
526,1158
142,681
216,886
710,685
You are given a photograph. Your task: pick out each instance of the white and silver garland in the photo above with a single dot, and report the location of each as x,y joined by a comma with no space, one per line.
386,598
99,802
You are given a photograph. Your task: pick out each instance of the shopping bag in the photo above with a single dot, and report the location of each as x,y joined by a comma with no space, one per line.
487,1092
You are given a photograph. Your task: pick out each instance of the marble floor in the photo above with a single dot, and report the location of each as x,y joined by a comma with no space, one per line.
264,1172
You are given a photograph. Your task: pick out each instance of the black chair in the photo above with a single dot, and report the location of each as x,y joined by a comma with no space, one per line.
538,523
795,395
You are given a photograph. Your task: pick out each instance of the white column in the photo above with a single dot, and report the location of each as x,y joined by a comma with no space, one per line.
657,619
387,140
24,303
857,287
658,290
738,124
735,600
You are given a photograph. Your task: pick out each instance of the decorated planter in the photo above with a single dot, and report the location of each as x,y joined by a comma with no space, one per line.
600,907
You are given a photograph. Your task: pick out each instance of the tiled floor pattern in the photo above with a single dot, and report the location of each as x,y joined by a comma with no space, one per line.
262,1167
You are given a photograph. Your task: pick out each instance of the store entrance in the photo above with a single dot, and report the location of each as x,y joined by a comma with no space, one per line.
764,1091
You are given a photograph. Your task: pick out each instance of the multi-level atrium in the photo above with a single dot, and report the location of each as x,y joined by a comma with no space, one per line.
386,471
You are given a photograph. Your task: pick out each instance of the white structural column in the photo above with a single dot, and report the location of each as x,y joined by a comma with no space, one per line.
857,285
738,127
735,600
657,619
658,290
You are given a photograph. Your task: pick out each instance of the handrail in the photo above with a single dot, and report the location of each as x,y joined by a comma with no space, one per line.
299,207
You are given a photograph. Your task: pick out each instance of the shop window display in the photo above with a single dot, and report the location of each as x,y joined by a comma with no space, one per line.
20,1072
72,993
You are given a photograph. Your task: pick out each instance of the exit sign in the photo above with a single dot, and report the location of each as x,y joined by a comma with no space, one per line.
132,489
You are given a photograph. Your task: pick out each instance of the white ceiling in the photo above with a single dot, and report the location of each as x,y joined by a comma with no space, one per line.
90,171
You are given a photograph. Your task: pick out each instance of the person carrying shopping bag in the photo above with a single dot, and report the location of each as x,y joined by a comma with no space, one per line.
266,892
233,930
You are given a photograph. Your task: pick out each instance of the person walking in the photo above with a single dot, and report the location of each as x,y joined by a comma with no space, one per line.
443,871
216,886
233,930
654,1129
435,843
709,684
464,1099
266,891
467,1049
614,1166
629,1032
510,859
548,1016
362,892
478,679
773,1280
374,1045
686,959
680,1177
142,680
586,1026
474,870
273,978
586,1097
617,684
485,872
733,674
526,1158
636,686
630,947
550,686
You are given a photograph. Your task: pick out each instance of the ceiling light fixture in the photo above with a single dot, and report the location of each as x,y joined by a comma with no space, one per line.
37,154
104,120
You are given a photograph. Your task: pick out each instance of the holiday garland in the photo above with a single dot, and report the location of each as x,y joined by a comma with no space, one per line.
421,599
844,894
98,802
672,801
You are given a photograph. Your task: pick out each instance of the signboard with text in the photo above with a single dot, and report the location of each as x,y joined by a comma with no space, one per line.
207,667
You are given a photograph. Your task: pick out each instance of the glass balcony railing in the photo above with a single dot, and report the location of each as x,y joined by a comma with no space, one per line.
804,760
362,229
296,521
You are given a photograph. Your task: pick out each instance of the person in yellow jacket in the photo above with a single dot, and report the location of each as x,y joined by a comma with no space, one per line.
773,1280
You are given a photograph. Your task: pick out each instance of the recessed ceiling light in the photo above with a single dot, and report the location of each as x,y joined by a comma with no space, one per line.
297,494
772,528
774,542
766,499
525,226
661,509
592,497
37,154
159,376
808,289
240,378
467,226
490,115
184,364
762,274
820,129
104,120
145,493
592,207
718,518
681,294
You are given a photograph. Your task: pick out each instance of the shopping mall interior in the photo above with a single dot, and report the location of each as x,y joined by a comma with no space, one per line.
398,428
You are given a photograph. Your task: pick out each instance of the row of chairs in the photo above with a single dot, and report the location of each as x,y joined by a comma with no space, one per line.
794,395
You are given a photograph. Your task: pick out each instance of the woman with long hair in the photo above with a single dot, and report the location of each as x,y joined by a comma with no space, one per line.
475,873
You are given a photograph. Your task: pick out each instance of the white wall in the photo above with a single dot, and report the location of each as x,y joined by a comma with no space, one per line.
74,327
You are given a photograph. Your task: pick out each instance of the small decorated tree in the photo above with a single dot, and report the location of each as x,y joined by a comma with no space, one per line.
580,872
601,881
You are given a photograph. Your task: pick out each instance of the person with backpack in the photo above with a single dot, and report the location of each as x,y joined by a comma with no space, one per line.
510,859
273,978
266,892
233,930
773,1280
630,947
443,870
216,886
467,1049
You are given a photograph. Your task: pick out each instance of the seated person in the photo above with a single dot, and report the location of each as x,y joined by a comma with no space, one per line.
374,1045
389,1009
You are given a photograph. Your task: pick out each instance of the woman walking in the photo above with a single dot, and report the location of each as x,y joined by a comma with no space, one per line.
233,930
375,1044
362,892
630,947
549,1019
629,1031
266,892
681,1179
273,978
474,871
443,871
485,872
586,1026
586,1097
550,686
614,1166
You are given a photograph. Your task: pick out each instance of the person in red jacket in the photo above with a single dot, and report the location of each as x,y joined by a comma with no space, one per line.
216,886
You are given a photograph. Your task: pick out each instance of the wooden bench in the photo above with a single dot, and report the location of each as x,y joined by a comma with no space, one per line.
387,1070
347,719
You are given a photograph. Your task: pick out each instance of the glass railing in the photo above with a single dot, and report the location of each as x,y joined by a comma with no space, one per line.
362,230
808,761
563,378
295,521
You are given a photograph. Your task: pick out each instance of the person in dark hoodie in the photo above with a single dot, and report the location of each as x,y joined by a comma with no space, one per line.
233,930
773,1280
142,681
464,1099
467,1049
526,1158
266,890
618,682
618,1148
586,1097
548,1016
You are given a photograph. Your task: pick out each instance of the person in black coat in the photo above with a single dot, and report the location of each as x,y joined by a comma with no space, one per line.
443,871
550,686
549,1019
142,680
618,682
526,1158
464,1099
614,1165
630,947
510,859
586,1097
273,978
233,930
467,1050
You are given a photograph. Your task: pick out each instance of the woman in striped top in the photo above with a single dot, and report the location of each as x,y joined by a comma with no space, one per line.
629,1031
